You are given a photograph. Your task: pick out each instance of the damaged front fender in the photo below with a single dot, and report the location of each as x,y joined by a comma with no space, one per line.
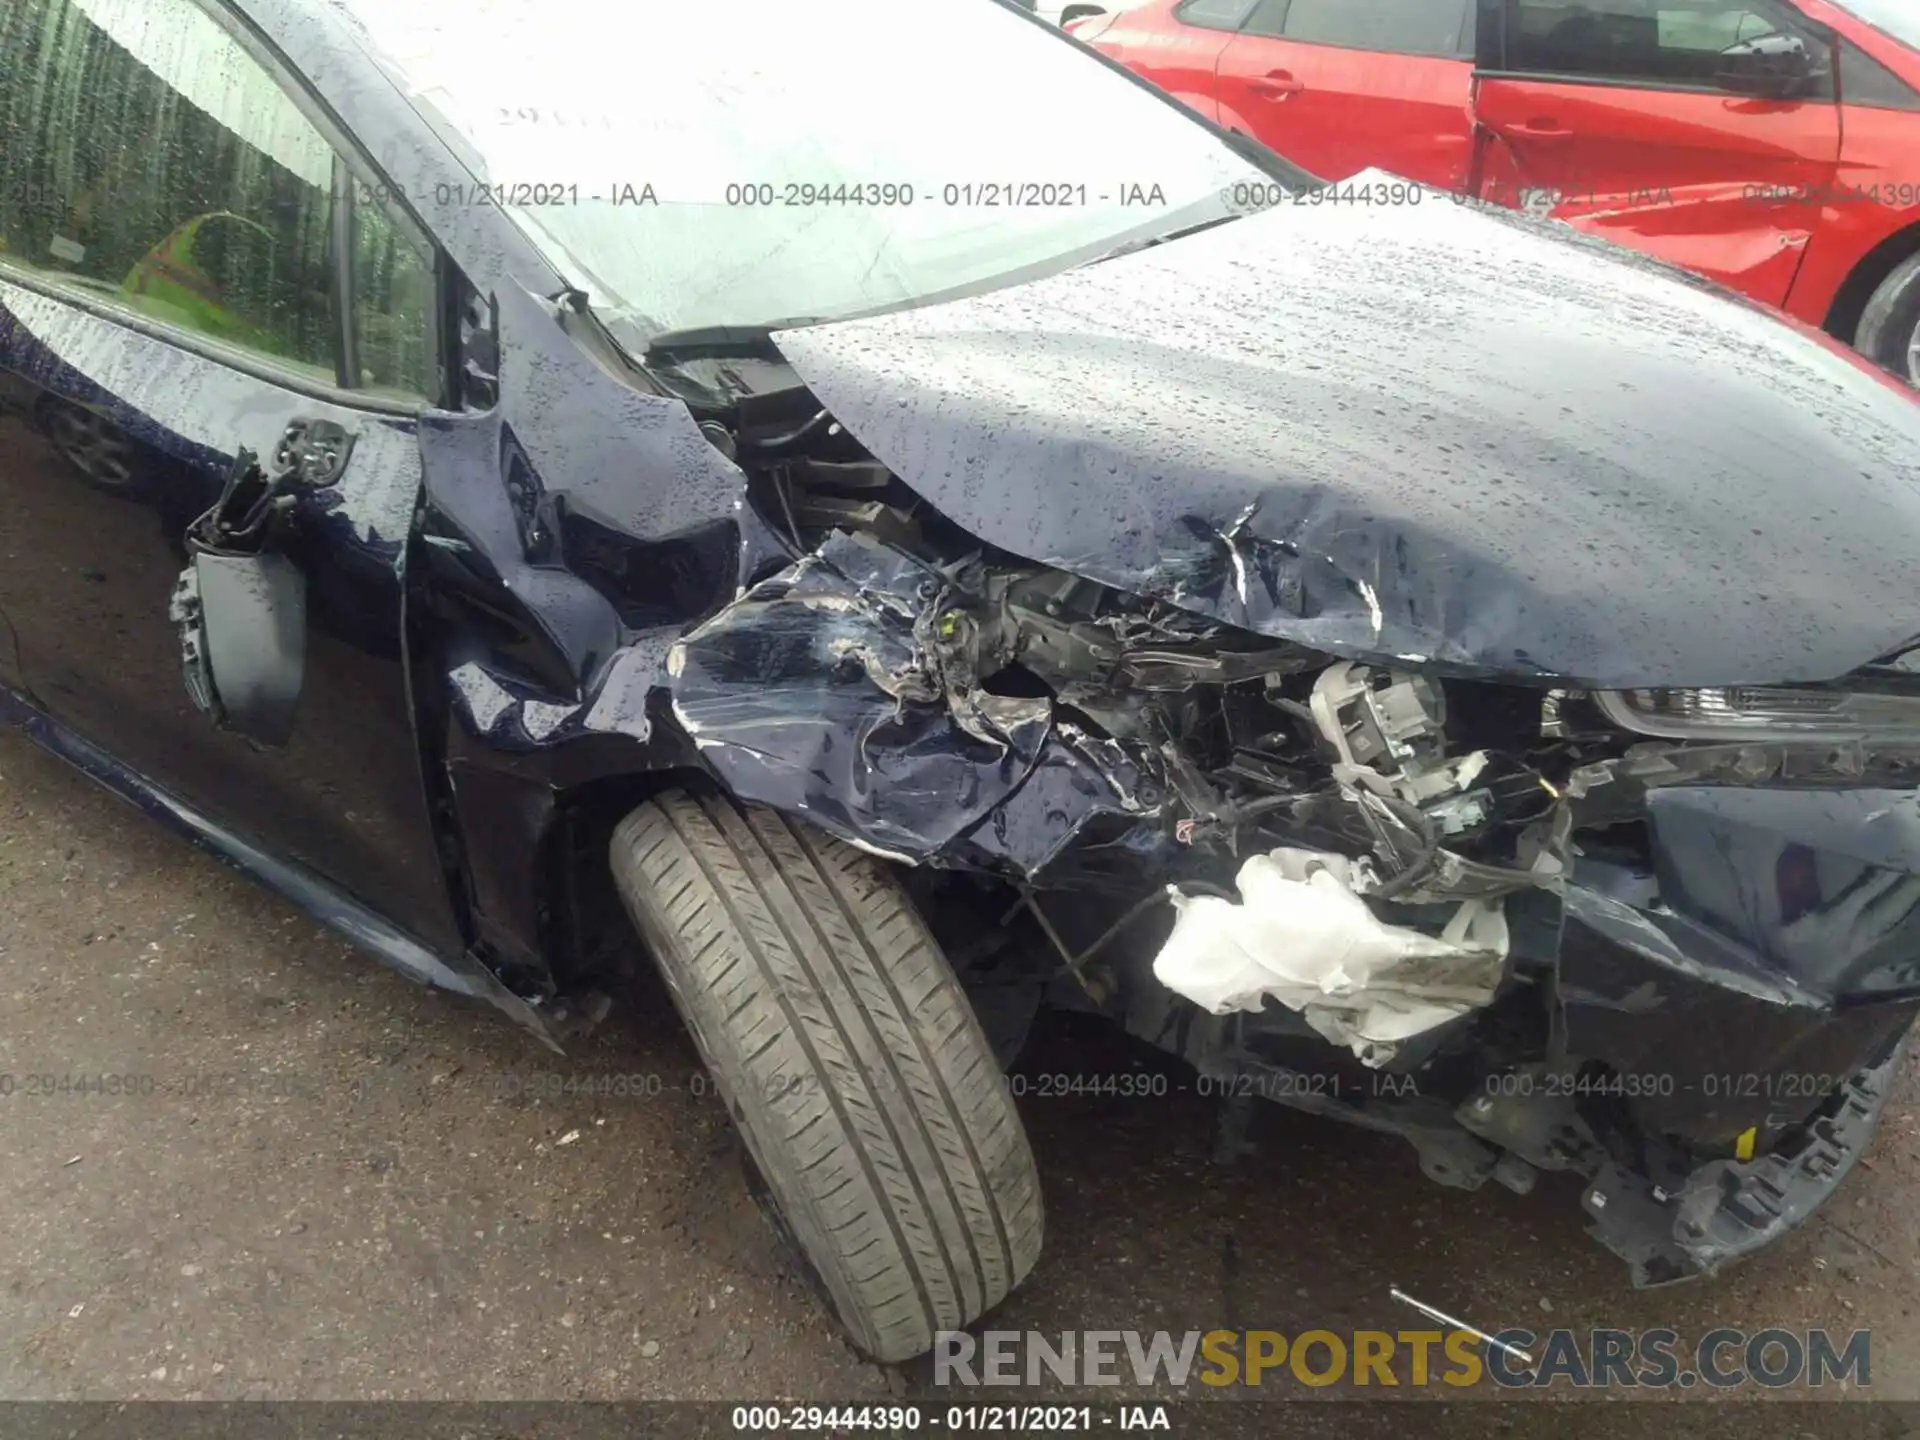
824,692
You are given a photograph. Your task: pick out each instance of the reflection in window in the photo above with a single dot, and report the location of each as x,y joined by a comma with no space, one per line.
393,313
1213,14
1402,27
146,158
1660,41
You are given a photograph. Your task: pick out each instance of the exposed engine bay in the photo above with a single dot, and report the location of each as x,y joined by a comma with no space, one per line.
1425,902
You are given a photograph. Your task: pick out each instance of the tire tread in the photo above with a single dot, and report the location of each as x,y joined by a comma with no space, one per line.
850,1057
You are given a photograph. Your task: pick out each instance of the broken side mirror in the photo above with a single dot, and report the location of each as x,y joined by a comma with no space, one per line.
240,607
1768,67
243,641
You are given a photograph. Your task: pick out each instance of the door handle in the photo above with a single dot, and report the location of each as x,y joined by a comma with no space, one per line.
1543,129
1274,85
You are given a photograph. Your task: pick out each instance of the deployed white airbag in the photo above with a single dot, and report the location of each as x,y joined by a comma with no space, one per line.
1303,936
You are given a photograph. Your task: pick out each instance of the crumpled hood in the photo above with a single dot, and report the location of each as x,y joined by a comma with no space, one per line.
1431,431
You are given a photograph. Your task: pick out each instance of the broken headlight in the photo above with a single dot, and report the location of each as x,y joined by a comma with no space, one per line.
1762,713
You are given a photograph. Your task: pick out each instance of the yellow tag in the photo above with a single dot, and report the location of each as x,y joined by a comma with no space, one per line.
1743,1147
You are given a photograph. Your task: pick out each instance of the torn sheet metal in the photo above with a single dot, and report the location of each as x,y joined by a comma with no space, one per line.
1089,815
1302,935
1772,932
827,691
815,694
1730,1208
1270,424
577,526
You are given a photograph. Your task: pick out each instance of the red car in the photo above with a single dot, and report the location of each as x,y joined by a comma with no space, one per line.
1772,147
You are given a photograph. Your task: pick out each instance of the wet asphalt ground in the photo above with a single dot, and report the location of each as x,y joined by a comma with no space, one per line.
315,1180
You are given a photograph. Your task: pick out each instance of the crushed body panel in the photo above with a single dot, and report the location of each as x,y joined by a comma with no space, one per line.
1276,424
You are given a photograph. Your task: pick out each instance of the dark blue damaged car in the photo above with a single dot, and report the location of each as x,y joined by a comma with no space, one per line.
567,488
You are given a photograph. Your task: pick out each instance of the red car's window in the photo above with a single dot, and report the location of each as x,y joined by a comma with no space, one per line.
1394,27
1865,81
1661,42
1269,18
1213,14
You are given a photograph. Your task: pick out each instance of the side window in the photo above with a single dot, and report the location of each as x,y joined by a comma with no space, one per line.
393,311
148,160
1674,42
1865,81
1213,14
1269,17
1397,27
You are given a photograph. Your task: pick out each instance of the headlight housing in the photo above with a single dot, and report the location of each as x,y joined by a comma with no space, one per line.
1762,713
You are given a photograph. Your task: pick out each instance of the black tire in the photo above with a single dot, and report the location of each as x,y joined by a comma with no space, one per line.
853,1065
94,448
1889,329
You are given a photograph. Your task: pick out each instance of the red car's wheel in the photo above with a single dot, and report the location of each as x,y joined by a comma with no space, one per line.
1890,326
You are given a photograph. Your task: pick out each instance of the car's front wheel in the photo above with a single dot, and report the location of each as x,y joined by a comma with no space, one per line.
853,1065
1889,329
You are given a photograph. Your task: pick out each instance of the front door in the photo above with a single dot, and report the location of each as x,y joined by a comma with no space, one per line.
1605,113
1176,46
187,268
1339,86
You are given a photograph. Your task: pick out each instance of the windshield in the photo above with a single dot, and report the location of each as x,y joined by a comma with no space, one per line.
745,162
1899,18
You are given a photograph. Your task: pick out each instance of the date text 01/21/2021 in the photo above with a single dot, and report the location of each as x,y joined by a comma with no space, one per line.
1154,1085
1283,1085
1280,1085
788,194
1661,1084
952,1420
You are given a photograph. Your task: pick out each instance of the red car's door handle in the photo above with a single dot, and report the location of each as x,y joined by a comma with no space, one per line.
1275,84
1543,130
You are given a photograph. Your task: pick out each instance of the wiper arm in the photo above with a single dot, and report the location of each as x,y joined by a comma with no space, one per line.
1899,652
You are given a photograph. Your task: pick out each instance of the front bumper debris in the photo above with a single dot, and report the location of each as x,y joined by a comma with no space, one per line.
1495,926
1730,1208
